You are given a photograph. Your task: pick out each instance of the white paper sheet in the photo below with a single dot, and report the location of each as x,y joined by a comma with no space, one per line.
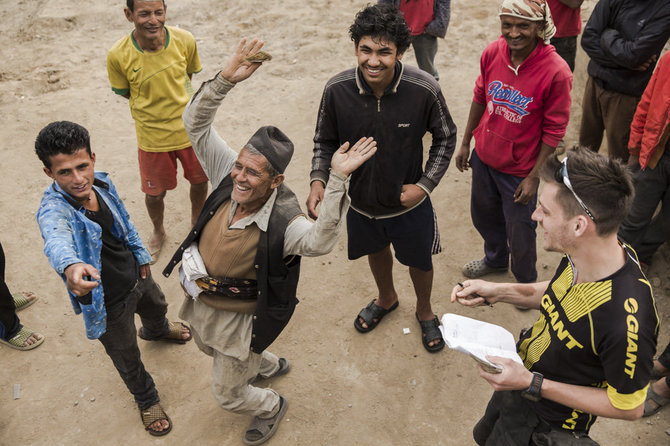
478,339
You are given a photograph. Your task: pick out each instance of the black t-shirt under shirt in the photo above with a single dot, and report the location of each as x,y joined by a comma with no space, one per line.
119,269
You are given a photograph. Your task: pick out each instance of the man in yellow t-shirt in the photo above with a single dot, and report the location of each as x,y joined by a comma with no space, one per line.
152,67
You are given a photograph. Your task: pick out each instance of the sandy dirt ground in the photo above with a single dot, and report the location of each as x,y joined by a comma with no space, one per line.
344,388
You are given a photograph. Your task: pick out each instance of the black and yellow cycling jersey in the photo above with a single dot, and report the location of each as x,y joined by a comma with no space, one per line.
601,334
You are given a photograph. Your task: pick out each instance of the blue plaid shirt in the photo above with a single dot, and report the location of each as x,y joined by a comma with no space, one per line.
70,237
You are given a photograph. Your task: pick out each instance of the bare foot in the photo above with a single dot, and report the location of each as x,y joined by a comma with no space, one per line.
156,244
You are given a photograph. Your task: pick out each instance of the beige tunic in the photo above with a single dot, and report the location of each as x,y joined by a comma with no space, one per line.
228,252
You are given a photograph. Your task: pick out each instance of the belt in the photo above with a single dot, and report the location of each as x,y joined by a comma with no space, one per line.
243,289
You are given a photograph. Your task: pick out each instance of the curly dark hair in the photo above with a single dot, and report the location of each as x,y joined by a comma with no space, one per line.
604,184
381,22
130,4
61,137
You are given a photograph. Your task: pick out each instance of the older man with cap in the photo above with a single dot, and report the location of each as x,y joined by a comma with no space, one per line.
241,262
518,115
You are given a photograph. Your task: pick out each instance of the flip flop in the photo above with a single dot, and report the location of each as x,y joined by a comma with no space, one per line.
18,341
21,302
173,334
261,429
430,331
370,313
660,401
153,414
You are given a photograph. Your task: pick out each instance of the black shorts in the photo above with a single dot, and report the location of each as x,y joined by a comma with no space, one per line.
414,235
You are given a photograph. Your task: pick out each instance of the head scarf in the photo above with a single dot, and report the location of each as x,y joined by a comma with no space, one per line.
533,10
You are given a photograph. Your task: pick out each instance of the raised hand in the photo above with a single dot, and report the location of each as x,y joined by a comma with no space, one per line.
345,160
238,68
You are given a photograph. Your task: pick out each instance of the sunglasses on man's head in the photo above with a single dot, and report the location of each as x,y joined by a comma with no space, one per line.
566,180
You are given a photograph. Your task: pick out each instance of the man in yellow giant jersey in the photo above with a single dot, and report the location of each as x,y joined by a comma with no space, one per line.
152,67
590,352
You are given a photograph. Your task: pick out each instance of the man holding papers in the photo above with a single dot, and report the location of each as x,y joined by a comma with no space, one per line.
590,352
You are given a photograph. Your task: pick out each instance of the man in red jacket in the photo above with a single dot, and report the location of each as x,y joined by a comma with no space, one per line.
519,113
649,147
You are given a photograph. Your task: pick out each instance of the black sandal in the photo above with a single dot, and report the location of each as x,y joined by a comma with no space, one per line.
370,313
430,331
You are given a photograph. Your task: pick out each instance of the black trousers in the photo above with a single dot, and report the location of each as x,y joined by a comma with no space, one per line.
643,229
664,359
510,420
9,322
566,47
120,338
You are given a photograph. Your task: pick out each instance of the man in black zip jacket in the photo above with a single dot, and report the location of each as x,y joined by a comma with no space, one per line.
395,104
623,38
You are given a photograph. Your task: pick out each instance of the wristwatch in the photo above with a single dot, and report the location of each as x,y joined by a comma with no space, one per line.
533,392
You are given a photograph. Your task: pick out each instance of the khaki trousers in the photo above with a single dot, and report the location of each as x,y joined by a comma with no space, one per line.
231,380
609,112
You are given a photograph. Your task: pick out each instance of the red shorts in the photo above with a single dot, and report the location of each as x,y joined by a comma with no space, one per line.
158,170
